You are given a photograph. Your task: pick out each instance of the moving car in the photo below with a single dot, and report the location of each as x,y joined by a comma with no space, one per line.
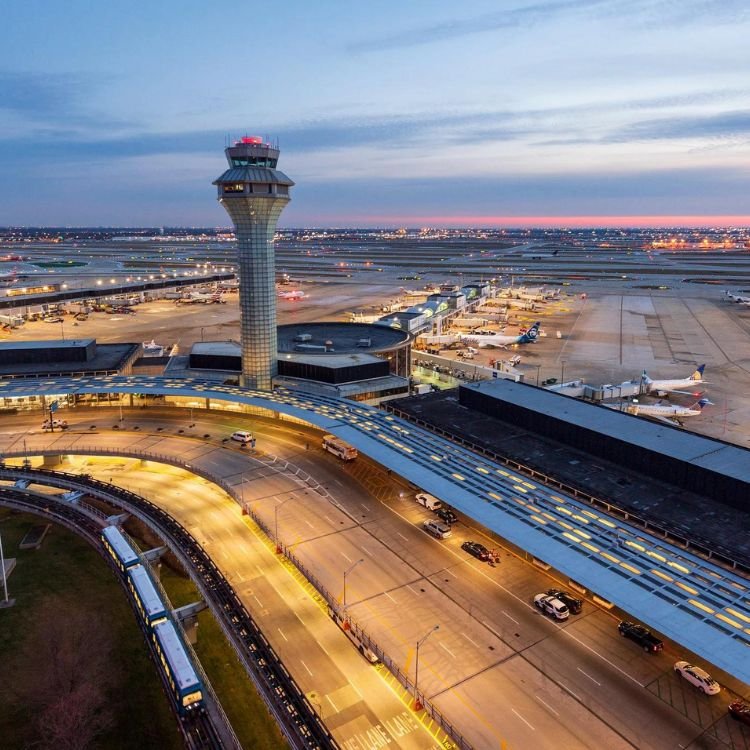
477,550
740,711
437,529
574,605
642,636
446,515
698,677
552,606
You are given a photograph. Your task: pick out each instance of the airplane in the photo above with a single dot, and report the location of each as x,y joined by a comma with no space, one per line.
197,297
501,340
293,295
665,413
6,279
737,298
663,387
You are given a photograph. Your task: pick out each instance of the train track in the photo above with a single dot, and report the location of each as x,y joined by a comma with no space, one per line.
296,716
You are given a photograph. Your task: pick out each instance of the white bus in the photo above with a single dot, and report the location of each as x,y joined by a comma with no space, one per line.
339,448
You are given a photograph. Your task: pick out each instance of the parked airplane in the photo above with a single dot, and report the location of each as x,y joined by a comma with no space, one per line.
663,412
6,279
665,386
198,298
293,295
737,298
502,340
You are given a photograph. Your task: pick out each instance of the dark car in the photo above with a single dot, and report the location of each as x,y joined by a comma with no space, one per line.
739,710
642,636
446,515
477,550
574,605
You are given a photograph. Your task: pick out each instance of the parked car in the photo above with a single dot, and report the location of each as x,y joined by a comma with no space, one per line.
476,550
429,501
642,636
571,602
242,436
437,529
54,424
446,515
698,677
739,710
53,319
552,606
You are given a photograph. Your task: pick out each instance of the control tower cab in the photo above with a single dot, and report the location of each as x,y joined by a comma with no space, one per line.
254,194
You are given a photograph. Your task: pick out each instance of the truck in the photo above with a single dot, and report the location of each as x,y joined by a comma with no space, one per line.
339,448
422,388
14,321
642,636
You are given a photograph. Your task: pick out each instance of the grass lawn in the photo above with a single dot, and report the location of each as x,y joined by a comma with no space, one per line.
252,723
66,566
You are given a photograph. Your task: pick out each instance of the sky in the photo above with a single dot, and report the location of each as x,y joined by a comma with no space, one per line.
388,113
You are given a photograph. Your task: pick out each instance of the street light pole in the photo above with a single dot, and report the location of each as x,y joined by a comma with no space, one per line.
346,573
5,580
417,702
276,524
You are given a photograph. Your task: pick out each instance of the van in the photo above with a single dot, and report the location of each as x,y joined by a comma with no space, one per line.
241,436
429,502
437,529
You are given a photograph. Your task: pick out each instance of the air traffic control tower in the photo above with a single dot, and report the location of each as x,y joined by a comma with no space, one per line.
254,193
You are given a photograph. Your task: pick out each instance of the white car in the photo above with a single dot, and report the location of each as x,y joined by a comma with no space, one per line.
54,424
698,677
551,605
242,436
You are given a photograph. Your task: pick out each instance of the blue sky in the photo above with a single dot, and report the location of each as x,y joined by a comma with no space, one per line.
388,113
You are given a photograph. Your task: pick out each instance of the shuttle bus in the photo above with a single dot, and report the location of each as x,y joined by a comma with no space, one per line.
339,448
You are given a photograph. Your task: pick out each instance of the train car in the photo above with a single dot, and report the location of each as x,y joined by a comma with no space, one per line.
147,599
119,548
184,683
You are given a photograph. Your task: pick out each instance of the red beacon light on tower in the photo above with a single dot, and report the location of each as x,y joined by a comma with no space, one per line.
255,139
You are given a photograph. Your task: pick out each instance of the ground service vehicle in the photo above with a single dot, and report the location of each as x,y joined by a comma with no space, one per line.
552,606
642,636
437,529
119,548
698,677
339,448
476,550
429,502
571,602
184,684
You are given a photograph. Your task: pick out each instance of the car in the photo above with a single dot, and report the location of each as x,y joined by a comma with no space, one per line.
476,550
698,677
740,711
446,515
242,436
642,636
552,606
437,529
53,319
55,423
571,602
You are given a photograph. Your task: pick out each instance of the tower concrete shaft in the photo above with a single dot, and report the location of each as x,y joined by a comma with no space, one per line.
254,194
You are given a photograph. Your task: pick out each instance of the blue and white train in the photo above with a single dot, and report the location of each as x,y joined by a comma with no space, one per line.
185,685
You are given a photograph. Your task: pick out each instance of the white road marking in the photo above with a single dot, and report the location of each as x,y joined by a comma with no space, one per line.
568,690
448,570
328,697
260,572
402,536
470,640
309,524
365,506
447,649
346,557
408,586
510,618
390,597
306,667
367,551
541,700
589,676
522,719
282,634
491,629
328,518
260,603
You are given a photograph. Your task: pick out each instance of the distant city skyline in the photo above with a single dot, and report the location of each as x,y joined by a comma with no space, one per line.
511,113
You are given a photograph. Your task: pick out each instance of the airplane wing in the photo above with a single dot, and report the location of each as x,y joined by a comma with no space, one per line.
694,394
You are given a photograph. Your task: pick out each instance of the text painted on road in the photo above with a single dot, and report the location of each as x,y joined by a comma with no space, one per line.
383,734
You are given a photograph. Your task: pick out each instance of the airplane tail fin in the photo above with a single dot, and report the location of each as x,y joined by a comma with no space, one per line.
645,378
698,374
530,335
703,403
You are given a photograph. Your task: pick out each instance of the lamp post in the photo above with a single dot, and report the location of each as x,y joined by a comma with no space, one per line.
276,524
562,371
346,573
417,702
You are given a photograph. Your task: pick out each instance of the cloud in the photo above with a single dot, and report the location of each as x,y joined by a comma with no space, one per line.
720,125
507,19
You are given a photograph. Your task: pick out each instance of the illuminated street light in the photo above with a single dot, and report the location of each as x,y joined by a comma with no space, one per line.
346,573
417,702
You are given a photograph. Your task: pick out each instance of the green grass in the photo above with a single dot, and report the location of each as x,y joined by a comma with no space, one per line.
67,567
250,719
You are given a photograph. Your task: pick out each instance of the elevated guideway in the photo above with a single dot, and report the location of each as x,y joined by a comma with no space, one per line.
694,602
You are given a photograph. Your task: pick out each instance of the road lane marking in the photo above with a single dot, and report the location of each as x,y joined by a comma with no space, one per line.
447,649
568,690
260,603
346,557
522,719
367,551
365,506
541,700
513,619
306,667
390,597
491,629
408,586
469,639
309,524
282,634
402,536
335,708
589,676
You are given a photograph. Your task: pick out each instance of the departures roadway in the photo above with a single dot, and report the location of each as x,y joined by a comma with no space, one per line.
695,602
497,668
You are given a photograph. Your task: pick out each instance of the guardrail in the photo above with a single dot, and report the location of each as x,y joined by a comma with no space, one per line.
673,534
